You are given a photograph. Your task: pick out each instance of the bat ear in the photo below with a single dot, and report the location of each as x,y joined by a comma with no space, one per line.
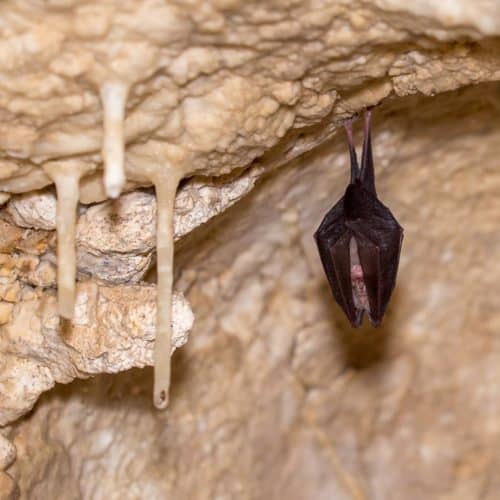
367,170
355,172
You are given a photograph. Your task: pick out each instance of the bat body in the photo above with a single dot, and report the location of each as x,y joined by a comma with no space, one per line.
359,242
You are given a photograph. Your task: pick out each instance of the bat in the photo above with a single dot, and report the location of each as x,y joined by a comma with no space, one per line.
359,241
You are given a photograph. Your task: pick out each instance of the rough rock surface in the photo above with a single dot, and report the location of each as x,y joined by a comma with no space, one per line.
113,330
274,396
116,239
216,85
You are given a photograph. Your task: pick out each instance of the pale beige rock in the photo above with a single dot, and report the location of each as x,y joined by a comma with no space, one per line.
10,236
34,210
258,76
113,330
116,239
7,453
8,488
479,17
5,312
274,396
10,292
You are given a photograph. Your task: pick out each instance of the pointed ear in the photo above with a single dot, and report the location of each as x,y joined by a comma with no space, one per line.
367,170
355,173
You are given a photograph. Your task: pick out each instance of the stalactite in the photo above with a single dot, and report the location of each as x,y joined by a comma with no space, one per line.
66,176
164,166
166,187
114,97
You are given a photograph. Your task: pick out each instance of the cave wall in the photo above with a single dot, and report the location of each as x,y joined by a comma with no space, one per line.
273,394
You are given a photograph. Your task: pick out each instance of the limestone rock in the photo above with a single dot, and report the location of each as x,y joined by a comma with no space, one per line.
113,330
116,239
274,396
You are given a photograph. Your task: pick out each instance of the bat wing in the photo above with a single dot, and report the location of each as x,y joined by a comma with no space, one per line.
333,240
332,221
379,245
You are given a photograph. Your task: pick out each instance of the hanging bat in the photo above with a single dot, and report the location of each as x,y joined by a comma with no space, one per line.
359,241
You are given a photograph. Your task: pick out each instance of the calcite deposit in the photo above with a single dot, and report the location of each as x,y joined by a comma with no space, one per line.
126,125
